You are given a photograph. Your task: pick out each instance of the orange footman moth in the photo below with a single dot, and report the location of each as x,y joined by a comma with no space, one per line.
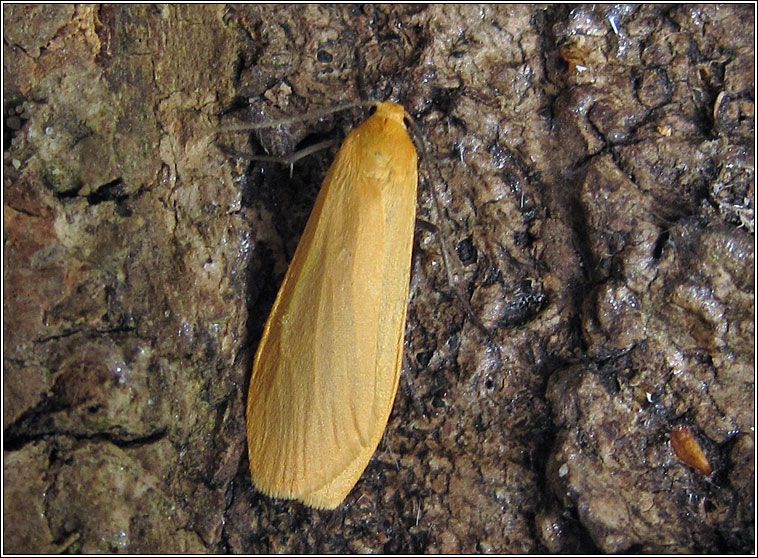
327,367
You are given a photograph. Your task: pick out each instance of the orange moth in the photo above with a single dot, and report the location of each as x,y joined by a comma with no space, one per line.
327,367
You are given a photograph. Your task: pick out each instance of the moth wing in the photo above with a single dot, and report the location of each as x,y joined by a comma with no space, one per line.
328,364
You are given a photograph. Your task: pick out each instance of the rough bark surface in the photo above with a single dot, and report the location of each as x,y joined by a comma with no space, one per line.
595,170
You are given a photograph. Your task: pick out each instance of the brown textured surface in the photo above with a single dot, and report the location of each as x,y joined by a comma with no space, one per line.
597,190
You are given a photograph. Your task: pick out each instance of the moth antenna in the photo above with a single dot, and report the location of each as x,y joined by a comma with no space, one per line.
293,158
288,160
310,115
